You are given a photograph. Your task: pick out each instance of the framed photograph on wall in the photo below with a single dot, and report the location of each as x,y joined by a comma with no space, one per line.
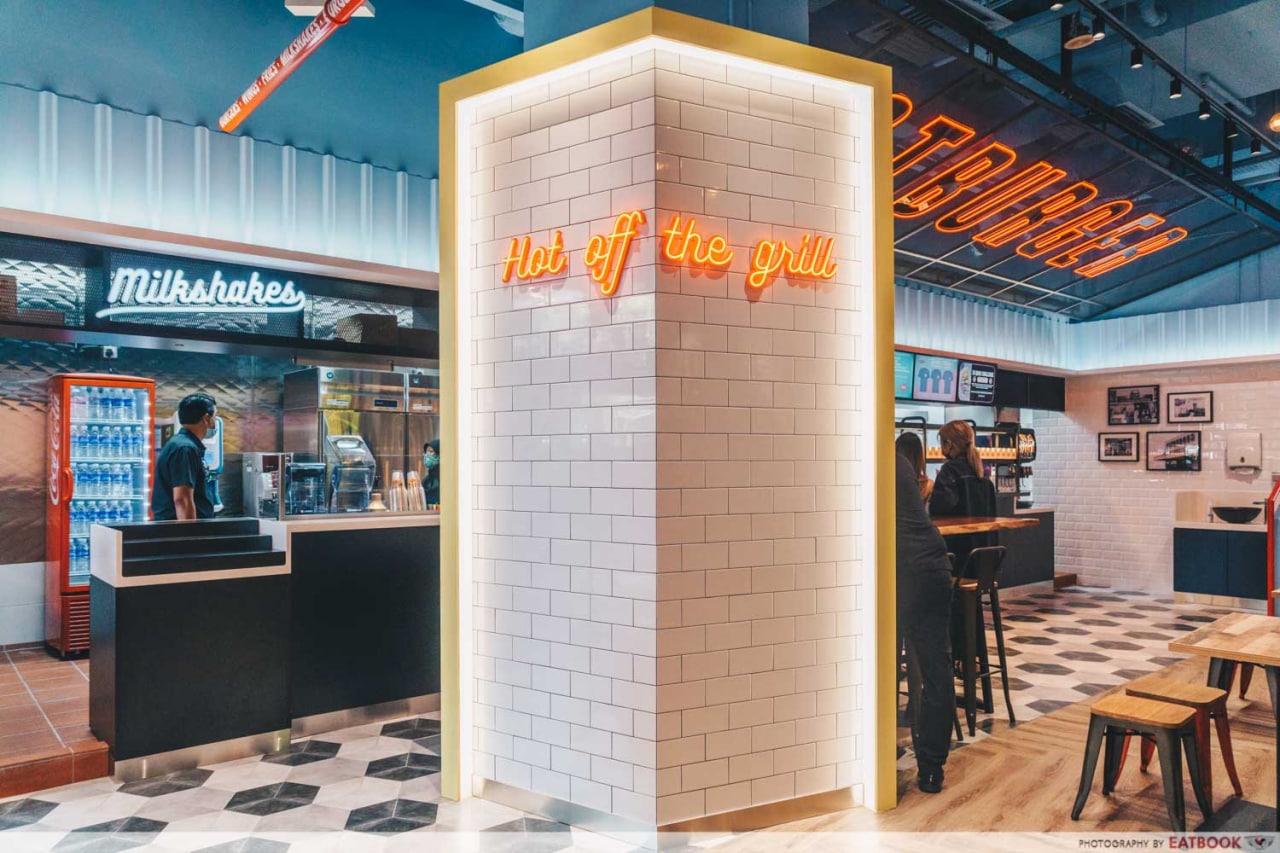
1119,446
1173,451
1190,407
1134,404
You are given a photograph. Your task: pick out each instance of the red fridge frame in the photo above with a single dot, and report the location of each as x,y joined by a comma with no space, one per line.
66,611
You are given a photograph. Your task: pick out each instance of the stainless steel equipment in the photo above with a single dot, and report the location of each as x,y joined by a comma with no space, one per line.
395,414
263,481
352,471
304,488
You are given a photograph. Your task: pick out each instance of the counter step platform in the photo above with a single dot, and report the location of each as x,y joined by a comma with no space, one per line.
149,550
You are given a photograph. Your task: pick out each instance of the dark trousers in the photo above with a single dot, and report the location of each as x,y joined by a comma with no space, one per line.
924,617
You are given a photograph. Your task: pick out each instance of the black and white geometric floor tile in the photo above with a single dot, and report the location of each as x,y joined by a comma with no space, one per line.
1067,645
373,787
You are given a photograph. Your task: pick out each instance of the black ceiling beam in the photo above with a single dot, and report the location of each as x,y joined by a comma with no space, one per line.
1206,179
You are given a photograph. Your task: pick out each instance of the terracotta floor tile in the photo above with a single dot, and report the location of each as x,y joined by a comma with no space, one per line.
62,694
16,748
21,724
36,775
10,700
91,764
62,706
48,677
75,733
69,718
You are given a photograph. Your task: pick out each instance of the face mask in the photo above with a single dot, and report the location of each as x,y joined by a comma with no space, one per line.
430,461
213,430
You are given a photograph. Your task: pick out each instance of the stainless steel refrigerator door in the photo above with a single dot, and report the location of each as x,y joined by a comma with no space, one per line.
384,432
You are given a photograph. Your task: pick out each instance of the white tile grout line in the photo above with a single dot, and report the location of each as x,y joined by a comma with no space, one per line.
76,664
32,694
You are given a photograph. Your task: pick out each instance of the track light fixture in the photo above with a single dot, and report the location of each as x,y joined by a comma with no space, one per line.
1204,111
1230,130
1175,89
1274,123
1056,7
1099,28
1081,36
1255,147
1135,58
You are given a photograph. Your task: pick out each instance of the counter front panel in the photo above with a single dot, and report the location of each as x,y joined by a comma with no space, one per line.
366,616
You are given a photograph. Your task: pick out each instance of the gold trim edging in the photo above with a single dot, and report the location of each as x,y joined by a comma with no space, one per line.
766,814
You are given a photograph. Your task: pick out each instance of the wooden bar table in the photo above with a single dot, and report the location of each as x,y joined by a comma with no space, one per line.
1235,639
959,525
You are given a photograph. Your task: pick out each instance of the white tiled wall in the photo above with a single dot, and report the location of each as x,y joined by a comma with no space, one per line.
1115,520
565,424
758,412
666,481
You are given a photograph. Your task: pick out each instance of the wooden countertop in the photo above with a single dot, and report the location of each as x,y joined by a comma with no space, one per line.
956,525
1242,637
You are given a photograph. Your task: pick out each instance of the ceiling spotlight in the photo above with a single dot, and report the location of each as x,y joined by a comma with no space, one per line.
1099,28
1056,7
1135,58
1274,123
1081,36
1204,111
1230,130
1255,147
1175,89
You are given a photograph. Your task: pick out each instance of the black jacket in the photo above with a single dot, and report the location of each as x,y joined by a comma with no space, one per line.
920,546
948,494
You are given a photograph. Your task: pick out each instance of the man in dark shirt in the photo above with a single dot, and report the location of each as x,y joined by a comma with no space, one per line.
924,612
180,490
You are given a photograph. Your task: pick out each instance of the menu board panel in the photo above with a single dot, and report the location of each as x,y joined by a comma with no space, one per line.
935,379
904,366
977,383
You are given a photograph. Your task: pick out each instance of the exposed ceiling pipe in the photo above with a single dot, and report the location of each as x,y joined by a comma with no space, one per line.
1152,13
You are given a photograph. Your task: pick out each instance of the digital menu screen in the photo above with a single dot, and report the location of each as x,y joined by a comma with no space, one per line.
904,366
936,378
977,383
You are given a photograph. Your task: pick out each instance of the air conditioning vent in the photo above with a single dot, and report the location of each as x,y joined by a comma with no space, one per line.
1139,115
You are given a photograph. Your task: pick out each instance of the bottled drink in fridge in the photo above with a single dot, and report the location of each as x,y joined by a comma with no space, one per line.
126,480
127,401
114,443
117,404
137,443
79,401
92,437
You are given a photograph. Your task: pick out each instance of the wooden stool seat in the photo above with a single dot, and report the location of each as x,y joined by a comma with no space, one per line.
1209,705
1114,718
1164,689
1147,712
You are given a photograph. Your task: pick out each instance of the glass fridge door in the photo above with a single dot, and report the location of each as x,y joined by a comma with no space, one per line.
110,453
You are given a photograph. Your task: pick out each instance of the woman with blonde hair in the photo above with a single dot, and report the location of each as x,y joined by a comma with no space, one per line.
909,446
963,461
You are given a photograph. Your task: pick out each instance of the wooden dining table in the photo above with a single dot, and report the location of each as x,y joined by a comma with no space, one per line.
1240,638
961,524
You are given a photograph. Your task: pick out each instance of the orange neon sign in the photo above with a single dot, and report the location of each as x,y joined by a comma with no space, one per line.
527,265
685,244
961,160
772,257
681,243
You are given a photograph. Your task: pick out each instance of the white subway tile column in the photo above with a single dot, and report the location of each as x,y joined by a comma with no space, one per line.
666,510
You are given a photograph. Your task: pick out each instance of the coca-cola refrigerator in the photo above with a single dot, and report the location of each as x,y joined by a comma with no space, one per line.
99,468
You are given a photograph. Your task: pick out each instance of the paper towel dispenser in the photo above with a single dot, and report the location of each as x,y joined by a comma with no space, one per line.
1244,451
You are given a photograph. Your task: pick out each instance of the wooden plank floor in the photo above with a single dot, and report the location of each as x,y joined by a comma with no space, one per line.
1024,779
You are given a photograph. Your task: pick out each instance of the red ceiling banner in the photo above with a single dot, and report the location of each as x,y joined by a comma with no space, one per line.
334,14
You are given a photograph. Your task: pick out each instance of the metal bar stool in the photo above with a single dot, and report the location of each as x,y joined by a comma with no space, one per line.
977,586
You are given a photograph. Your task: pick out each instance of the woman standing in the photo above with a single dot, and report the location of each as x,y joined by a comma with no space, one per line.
431,473
962,461
909,447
